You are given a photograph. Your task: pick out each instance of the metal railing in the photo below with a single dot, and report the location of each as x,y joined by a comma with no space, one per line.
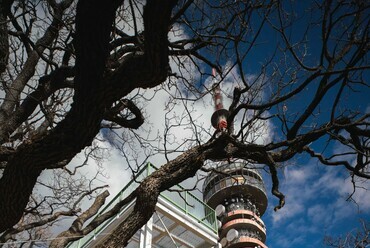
242,167
229,182
192,206
179,197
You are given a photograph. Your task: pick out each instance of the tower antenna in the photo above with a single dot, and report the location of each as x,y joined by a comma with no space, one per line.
219,117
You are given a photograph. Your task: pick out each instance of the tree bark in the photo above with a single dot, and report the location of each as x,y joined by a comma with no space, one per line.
81,124
93,96
4,40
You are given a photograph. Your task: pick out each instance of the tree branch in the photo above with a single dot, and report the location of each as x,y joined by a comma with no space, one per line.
113,115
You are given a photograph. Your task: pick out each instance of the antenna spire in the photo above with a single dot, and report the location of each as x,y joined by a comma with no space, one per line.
219,117
217,97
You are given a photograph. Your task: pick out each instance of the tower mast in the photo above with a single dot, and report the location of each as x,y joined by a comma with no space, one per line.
219,117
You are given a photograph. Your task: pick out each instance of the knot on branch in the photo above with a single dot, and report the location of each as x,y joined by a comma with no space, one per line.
116,115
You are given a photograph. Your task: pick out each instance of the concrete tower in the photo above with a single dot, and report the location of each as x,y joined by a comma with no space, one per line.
237,193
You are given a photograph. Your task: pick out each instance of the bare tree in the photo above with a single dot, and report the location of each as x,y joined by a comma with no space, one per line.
74,68
359,238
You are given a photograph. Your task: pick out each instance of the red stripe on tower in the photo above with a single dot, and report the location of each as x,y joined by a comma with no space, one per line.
219,117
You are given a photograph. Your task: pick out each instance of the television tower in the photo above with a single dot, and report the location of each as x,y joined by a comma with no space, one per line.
237,193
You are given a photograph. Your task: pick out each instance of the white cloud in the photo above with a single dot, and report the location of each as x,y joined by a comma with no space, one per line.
318,215
291,210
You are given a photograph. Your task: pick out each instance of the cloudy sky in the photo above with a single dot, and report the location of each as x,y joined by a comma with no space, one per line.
316,206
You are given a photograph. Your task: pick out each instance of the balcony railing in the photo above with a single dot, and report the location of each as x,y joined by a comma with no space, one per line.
178,197
233,181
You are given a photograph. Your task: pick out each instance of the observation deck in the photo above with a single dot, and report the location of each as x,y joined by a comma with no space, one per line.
235,179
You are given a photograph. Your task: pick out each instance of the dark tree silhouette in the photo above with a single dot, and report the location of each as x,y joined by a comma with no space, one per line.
68,69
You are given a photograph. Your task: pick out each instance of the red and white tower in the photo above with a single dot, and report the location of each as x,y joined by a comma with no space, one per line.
237,194
219,117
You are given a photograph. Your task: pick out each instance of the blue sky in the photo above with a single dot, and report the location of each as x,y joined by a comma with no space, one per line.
316,196
316,206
